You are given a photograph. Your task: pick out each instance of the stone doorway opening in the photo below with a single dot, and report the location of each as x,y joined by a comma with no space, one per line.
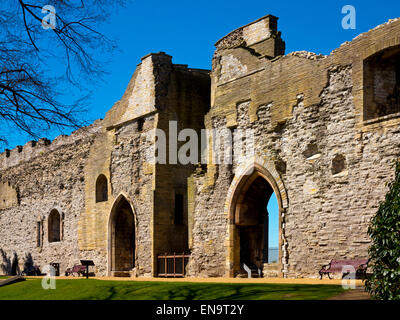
256,231
122,239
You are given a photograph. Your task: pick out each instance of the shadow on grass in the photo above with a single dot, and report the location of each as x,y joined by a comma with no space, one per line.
123,290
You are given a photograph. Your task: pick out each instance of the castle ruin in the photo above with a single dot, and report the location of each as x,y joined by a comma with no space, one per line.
326,134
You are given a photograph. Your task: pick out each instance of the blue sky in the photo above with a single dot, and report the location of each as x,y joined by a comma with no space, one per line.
187,30
273,226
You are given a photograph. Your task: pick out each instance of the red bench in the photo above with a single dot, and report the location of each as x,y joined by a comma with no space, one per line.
336,266
77,269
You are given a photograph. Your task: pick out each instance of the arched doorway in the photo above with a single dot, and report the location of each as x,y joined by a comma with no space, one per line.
255,208
122,238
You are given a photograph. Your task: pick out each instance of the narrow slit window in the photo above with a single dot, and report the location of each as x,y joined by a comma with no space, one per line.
38,234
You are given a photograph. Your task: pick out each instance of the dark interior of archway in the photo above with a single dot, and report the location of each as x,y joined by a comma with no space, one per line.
253,227
123,238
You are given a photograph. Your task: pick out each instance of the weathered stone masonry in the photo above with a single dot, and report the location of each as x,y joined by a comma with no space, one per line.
326,135
318,142
41,177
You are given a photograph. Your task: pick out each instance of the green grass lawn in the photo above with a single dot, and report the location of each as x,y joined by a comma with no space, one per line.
91,289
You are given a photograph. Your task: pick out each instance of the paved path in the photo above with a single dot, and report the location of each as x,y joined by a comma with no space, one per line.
357,294
359,283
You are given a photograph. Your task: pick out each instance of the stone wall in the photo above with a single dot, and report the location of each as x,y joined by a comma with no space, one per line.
62,175
53,179
8,196
326,156
187,102
311,141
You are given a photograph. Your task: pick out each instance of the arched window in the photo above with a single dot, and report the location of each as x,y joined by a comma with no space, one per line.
101,189
54,226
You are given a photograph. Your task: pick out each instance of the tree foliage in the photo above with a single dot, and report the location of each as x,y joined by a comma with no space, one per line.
384,282
30,89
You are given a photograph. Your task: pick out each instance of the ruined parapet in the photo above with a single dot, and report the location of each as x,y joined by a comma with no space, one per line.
307,55
261,37
383,27
34,149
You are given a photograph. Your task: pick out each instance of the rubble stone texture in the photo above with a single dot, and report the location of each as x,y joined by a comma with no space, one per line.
326,133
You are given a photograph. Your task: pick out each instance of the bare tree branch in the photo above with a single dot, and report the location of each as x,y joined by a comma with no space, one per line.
30,97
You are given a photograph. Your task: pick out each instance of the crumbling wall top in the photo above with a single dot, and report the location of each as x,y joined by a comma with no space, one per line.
250,34
33,149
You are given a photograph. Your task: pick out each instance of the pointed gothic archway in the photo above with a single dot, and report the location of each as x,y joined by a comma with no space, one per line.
121,240
249,220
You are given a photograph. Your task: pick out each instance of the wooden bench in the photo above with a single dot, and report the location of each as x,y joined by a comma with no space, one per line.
77,269
336,266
